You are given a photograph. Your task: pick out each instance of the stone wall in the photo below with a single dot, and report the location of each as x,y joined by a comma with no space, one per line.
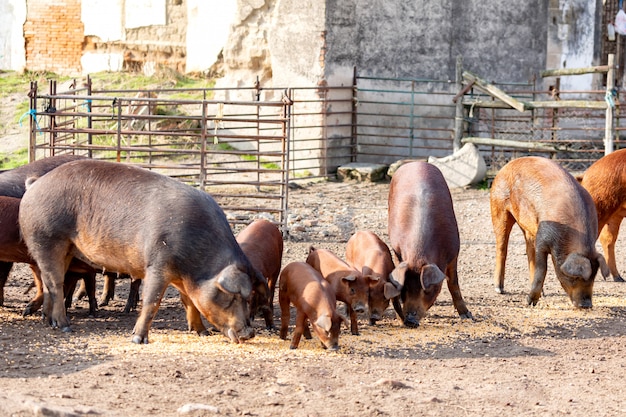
53,35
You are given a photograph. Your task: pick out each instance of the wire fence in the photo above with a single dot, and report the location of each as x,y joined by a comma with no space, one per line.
245,145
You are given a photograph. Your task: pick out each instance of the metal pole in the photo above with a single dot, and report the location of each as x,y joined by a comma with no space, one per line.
458,117
609,122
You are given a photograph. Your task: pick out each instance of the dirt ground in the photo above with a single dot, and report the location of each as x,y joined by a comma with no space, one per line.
510,360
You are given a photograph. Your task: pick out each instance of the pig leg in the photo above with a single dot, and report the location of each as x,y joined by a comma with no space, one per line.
194,320
70,286
108,291
35,303
354,325
299,329
133,296
396,301
154,288
53,278
538,265
307,331
455,291
502,226
608,237
89,279
285,313
5,269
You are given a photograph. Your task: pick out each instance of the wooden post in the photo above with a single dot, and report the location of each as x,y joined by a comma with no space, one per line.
609,122
459,116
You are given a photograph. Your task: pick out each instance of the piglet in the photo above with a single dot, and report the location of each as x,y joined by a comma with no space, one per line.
262,243
301,285
425,237
367,253
558,218
347,283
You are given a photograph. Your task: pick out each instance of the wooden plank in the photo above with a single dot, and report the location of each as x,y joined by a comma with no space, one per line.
494,91
573,71
577,104
506,143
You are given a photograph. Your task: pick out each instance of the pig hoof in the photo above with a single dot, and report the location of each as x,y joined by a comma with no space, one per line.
139,340
530,301
618,279
66,329
499,290
467,315
28,310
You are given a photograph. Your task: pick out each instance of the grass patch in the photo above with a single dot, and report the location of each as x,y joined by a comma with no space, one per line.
13,159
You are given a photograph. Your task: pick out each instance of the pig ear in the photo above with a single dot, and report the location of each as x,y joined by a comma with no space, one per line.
398,275
390,291
576,265
324,322
234,281
372,280
350,278
604,268
30,181
431,275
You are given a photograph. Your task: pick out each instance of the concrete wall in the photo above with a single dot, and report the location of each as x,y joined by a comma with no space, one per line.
498,40
287,42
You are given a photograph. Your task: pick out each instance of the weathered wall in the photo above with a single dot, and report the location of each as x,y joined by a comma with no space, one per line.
12,18
53,35
139,36
301,42
573,34
498,40
207,32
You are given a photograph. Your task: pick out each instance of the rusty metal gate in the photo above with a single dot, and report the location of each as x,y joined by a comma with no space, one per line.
234,149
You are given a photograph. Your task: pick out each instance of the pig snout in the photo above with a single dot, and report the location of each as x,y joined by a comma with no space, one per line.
374,317
246,333
411,319
332,348
359,307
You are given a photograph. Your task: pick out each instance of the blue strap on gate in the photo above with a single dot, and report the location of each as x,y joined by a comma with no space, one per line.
33,114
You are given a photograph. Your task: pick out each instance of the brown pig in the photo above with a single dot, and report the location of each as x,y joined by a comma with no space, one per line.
605,180
348,284
262,242
13,249
304,287
367,253
425,237
557,217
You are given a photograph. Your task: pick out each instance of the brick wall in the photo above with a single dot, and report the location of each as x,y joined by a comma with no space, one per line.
54,36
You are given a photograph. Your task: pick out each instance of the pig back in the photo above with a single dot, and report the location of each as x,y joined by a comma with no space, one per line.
125,218
367,253
12,182
540,194
605,180
422,224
